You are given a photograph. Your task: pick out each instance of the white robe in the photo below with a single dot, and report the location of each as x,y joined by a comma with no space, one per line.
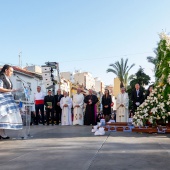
66,117
122,113
78,99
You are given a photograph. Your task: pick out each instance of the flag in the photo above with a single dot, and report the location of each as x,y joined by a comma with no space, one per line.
20,104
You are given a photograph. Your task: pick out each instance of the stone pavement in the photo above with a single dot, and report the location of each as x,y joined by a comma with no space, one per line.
76,148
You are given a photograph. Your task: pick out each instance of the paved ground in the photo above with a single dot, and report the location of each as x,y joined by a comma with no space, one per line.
76,148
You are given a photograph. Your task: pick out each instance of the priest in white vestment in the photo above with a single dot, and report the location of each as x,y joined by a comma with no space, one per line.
78,103
66,105
122,104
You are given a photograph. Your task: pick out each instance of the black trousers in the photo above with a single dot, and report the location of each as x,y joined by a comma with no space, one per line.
50,113
39,107
58,115
134,108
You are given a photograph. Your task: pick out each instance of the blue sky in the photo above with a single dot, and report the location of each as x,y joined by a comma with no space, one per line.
85,35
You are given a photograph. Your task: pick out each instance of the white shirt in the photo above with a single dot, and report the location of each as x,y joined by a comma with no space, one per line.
39,96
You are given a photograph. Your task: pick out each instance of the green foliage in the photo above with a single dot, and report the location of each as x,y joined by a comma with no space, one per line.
157,106
140,78
121,69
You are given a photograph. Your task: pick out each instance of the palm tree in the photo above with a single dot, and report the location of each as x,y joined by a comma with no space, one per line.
121,70
153,60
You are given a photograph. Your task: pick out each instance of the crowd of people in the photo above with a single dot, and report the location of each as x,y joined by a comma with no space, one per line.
62,109
70,111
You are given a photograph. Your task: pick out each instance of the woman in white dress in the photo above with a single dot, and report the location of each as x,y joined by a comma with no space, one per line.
10,117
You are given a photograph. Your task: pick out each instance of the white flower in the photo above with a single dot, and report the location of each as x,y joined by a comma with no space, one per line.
158,117
162,36
167,103
138,120
168,80
161,105
145,111
169,63
154,110
168,113
163,117
155,98
164,87
146,114
151,120
169,96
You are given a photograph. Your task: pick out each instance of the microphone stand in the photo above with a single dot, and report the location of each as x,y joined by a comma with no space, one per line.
26,132
24,82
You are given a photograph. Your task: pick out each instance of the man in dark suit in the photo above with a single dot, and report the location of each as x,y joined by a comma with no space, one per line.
90,113
57,107
49,106
137,97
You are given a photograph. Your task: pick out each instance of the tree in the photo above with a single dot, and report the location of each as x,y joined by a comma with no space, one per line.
121,69
153,60
140,77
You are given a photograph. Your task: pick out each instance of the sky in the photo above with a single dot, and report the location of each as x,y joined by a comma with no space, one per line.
86,35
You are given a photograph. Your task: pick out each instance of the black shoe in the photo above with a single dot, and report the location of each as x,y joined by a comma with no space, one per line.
4,137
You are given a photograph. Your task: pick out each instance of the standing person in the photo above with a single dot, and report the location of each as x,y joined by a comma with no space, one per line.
10,117
106,102
90,117
114,107
57,107
78,103
149,91
137,97
49,107
39,105
66,105
122,104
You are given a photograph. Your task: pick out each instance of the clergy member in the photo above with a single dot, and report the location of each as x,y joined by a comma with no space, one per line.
122,104
78,102
66,105
90,116
49,107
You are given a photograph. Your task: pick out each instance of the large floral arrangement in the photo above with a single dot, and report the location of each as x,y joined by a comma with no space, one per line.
156,108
